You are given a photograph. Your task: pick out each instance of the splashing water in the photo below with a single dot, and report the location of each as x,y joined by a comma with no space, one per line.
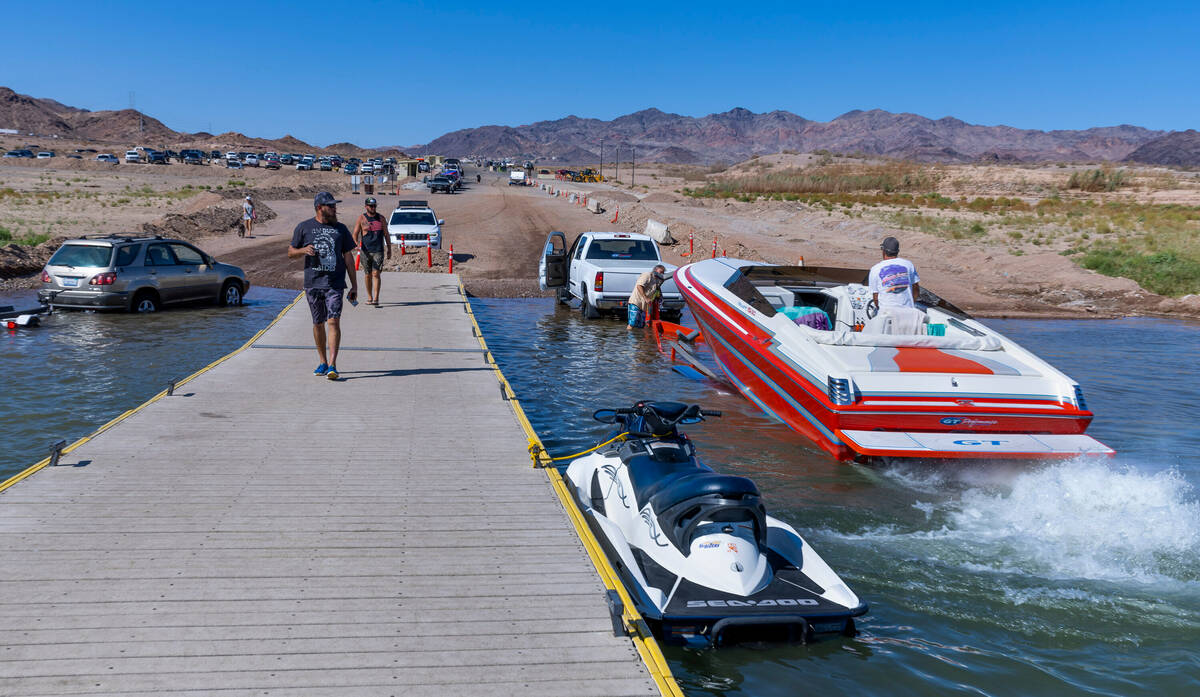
1081,519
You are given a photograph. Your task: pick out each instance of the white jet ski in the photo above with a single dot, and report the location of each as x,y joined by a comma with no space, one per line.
702,560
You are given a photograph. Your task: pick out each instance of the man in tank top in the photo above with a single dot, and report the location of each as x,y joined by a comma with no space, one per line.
370,234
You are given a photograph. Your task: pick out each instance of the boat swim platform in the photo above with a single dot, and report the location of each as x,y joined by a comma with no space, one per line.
261,531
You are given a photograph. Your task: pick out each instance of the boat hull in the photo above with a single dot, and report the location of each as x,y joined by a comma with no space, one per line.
756,363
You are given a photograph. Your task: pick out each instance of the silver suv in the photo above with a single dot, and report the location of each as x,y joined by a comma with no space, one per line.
138,274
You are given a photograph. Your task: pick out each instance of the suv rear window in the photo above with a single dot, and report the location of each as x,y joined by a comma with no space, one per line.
81,255
127,254
641,250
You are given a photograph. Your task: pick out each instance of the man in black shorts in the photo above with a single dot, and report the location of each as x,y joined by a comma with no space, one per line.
326,246
370,232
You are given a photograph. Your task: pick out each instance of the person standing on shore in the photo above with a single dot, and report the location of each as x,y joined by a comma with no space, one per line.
646,291
370,234
894,281
247,218
327,247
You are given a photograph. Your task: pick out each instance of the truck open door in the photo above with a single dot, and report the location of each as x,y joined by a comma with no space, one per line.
552,268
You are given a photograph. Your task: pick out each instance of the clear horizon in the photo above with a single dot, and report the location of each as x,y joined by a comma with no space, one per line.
403,74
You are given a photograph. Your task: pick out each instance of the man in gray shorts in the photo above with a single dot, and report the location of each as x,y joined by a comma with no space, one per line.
370,233
326,246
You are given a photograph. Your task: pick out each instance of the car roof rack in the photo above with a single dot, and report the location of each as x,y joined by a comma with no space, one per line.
409,203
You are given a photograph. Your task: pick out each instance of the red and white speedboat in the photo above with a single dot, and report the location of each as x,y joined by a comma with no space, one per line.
927,383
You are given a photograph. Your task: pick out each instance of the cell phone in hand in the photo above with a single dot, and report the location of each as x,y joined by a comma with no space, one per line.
352,296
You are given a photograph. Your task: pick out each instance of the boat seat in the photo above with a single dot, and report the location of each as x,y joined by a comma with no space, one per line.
897,321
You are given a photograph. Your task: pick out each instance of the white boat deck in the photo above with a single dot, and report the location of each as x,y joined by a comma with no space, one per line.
266,532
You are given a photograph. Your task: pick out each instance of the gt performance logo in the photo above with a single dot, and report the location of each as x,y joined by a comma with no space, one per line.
777,602
955,421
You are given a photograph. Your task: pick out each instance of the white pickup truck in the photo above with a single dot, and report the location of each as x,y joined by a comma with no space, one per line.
516,176
600,269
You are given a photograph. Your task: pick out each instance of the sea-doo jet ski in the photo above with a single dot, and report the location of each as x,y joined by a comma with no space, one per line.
702,560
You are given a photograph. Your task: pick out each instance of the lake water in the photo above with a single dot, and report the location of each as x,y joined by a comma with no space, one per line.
79,370
1079,577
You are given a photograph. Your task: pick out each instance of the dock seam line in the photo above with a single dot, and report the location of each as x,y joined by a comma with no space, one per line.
645,643
43,463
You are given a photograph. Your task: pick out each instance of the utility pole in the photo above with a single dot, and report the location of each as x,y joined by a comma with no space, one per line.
601,158
617,165
633,173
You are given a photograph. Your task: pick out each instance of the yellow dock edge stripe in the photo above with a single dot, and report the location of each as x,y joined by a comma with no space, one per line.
645,643
31,470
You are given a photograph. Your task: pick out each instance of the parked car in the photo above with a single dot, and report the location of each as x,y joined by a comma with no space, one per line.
109,158
304,164
350,168
233,164
251,160
271,163
157,157
441,183
367,168
214,155
325,166
133,156
137,274
19,153
415,224
45,155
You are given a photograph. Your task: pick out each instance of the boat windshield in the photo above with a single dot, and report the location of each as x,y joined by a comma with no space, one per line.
746,282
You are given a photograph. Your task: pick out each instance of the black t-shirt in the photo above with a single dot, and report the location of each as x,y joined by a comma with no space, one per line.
372,238
327,268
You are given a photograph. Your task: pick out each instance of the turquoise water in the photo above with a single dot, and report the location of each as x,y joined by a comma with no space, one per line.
1078,577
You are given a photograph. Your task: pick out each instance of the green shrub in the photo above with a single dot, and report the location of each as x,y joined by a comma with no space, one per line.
1103,179
1167,272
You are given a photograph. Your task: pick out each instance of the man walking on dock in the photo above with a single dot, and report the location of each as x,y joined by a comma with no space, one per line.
370,232
327,248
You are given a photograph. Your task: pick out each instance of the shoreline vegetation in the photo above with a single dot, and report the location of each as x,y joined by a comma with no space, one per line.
1104,219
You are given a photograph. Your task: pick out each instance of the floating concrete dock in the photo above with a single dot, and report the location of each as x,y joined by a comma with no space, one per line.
262,531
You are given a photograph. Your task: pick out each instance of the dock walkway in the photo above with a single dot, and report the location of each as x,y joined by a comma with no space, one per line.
266,532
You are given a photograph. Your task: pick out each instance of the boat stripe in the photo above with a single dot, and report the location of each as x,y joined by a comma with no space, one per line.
774,387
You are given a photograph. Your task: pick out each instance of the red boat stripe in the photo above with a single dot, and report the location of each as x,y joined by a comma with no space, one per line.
930,360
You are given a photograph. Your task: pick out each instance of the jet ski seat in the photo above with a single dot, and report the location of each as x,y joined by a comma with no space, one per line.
684,493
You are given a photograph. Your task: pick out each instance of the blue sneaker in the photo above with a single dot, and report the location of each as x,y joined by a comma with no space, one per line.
332,373
321,370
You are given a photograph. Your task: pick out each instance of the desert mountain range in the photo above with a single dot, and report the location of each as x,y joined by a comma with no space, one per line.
737,134
659,136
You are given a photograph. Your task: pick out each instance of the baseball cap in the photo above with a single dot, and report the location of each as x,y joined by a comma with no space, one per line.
325,199
890,245
371,201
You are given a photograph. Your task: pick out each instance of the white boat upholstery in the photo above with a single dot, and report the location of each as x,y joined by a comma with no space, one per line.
842,337
897,320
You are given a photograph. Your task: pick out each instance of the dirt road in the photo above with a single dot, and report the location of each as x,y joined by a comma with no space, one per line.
497,231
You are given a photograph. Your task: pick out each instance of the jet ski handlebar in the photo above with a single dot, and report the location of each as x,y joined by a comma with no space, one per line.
654,418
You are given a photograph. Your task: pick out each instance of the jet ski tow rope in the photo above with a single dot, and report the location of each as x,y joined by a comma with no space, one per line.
536,451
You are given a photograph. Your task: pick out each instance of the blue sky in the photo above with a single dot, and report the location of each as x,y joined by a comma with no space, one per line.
388,73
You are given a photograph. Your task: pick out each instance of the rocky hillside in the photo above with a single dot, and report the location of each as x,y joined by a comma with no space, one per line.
1178,149
739,133
46,117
